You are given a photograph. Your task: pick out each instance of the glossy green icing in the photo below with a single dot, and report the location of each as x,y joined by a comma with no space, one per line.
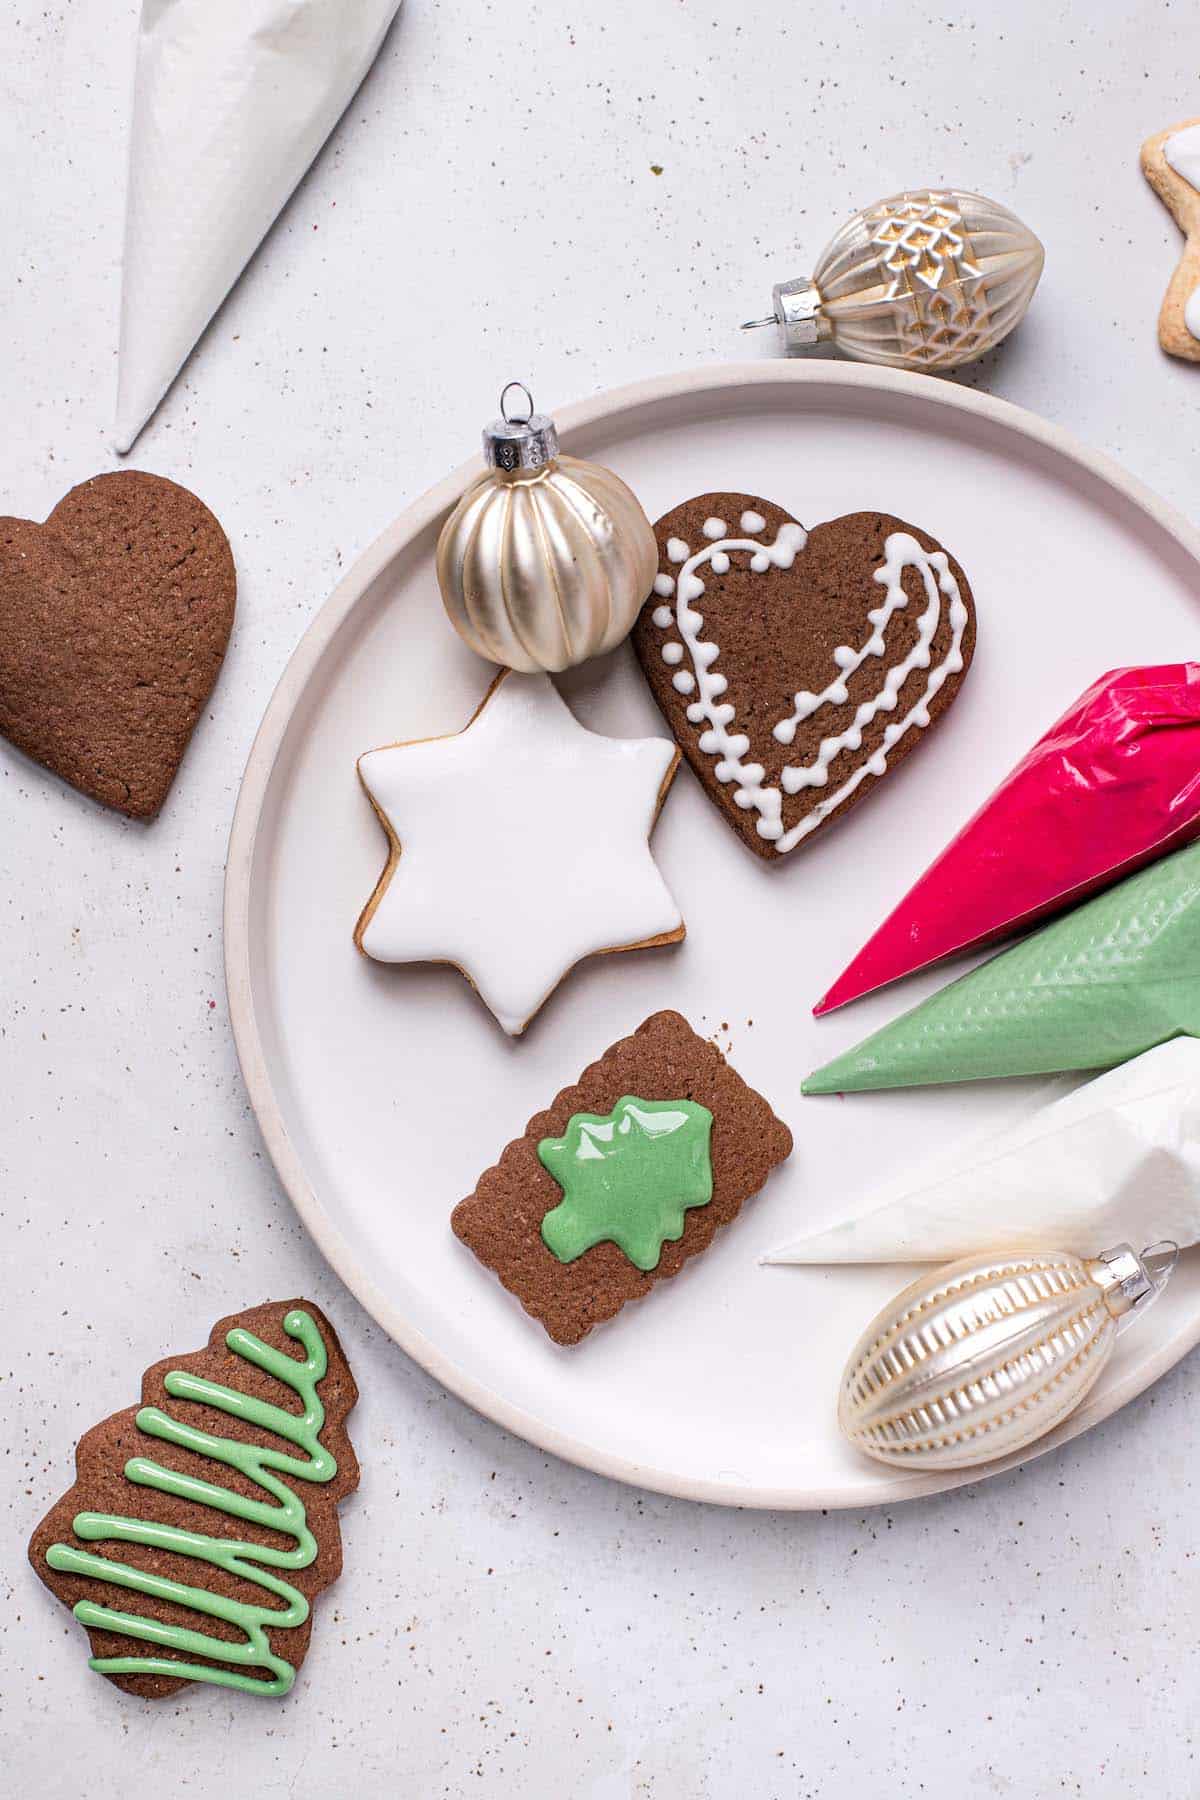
252,1562
628,1177
1094,988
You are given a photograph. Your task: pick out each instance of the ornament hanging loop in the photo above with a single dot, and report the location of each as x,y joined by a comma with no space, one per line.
510,418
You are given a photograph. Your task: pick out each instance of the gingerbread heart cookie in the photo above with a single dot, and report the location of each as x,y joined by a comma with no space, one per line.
114,617
1171,164
797,667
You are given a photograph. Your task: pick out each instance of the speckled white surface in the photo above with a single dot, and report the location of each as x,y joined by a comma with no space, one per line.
506,1624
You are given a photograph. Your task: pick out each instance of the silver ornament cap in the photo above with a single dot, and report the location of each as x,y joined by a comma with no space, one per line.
796,309
1130,1282
519,440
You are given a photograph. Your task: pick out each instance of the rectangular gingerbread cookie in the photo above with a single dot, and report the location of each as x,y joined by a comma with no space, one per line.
656,1146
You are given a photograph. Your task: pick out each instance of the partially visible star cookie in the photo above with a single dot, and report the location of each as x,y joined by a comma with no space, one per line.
1171,164
518,847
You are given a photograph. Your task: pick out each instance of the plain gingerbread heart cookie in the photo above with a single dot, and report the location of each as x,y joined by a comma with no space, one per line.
114,618
1171,164
796,667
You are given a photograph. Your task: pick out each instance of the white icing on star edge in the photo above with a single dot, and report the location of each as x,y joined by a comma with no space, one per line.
1182,152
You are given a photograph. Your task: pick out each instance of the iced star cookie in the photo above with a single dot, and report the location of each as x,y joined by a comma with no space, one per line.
203,1523
518,847
1171,164
622,1178
797,667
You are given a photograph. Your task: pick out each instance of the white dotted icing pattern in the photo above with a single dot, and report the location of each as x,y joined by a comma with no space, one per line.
901,551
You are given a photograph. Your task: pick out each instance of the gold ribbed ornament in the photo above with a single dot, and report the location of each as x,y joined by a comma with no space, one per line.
926,279
546,560
981,1358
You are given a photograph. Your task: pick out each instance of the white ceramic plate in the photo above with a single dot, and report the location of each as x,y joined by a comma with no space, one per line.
383,1092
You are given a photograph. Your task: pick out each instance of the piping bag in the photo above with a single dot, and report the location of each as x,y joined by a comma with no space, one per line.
1117,1159
1114,783
232,101
1091,989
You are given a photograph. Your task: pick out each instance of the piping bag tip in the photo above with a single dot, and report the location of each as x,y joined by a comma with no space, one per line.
813,1084
131,421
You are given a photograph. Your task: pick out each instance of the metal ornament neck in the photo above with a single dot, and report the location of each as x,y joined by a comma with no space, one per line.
1130,1282
797,311
521,444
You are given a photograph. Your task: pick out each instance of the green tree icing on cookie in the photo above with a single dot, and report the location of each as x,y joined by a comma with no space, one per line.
628,1177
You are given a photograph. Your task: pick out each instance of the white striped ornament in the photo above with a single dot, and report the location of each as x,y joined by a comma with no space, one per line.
982,1357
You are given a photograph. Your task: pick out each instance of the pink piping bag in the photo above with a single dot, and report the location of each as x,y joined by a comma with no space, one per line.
1114,784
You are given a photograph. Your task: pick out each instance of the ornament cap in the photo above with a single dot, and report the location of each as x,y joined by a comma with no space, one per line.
519,441
796,310
1130,1282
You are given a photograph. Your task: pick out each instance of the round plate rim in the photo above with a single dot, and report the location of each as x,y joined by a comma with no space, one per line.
712,379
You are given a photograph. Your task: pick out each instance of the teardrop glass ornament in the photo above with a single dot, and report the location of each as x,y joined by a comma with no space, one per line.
981,1358
928,279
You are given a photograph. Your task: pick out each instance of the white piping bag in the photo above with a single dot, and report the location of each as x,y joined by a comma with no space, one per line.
1119,1158
232,101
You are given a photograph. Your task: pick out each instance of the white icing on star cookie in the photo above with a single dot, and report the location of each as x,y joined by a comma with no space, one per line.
519,847
901,551
1182,152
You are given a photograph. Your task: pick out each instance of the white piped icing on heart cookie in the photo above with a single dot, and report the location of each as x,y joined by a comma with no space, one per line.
694,656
